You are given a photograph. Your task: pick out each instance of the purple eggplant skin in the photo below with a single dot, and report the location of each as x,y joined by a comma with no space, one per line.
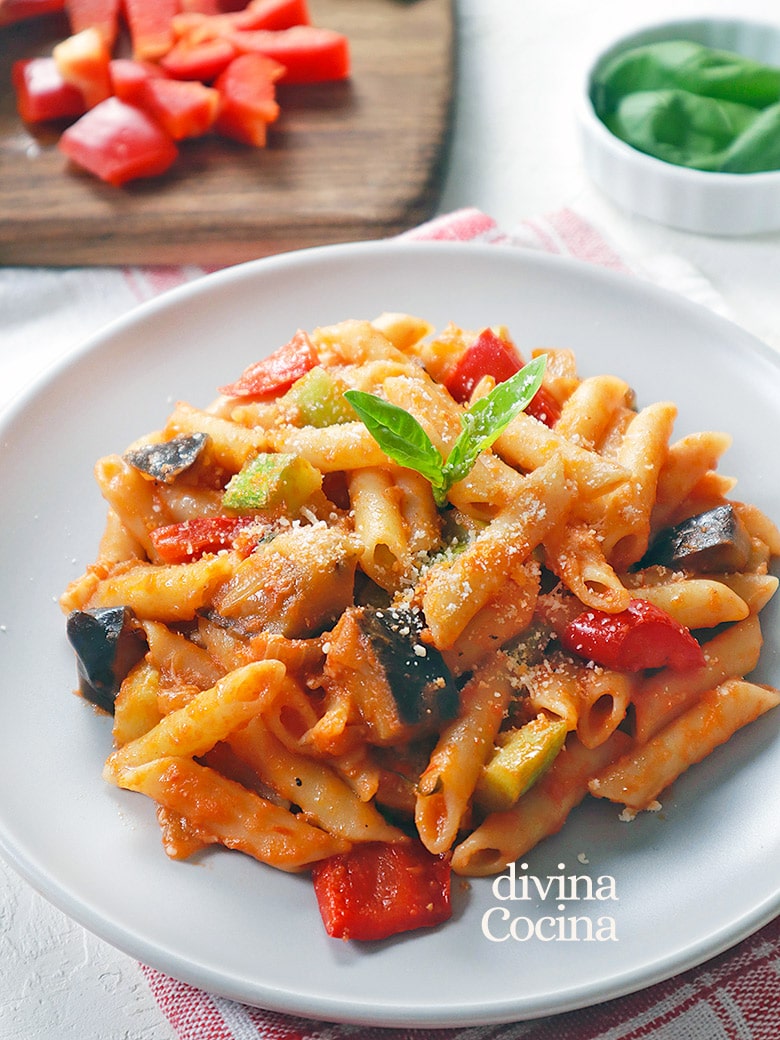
710,542
108,643
421,684
166,460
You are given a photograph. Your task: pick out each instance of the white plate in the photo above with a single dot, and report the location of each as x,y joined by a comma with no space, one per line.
690,881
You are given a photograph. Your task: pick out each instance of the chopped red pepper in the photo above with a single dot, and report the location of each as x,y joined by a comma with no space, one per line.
184,108
377,890
129,77
41,92
102,15
190,539
641,636
247,98
544,407
309,53
203,60
118,142
489,355
84,61
258,14
274,14
149,22
277,372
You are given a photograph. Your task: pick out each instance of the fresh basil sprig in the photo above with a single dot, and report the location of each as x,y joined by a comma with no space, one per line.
400,436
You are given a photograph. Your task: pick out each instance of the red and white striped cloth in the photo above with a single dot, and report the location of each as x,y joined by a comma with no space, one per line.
735,996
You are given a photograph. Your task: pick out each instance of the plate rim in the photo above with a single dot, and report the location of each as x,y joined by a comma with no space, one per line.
395,1015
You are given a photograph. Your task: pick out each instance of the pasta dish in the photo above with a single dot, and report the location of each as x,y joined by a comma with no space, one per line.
395,602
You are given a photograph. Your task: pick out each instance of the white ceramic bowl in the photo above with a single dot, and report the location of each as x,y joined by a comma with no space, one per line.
692,200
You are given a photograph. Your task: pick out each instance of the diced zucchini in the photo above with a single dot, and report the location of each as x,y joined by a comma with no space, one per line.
517,764
270,481
318,398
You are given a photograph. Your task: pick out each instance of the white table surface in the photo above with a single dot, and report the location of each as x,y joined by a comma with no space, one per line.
515,155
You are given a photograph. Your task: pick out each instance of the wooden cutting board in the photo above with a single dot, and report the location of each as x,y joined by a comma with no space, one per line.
346,161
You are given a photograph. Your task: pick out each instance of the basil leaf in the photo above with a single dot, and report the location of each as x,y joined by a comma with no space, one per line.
690,66
399,435
692,105
490,415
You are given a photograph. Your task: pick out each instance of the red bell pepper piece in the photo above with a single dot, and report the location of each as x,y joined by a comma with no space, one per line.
41,92
183,108
150,25
490,355
277,372
309,53
102,15
544,407
247,98
641,636
12,11
128,77
202,61
377,890
258,14
274,14
200,7
191,539
118,142
84,61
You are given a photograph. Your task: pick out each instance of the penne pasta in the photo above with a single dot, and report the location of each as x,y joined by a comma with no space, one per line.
624,520
575,552
731,653
132,499
219,810
204,721
447,784
230,444
588,411
163,593
332,449
688,461
136,708
311,784
502,618
505,836
639,777
393,596
454,590
379,524
696,602
528,444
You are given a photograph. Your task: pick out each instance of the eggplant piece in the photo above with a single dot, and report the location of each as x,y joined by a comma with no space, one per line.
295,585
422,685
108,642
376,656
168,459
711,542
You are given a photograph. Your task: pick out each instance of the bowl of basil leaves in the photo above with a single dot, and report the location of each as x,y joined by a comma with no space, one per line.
681,124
